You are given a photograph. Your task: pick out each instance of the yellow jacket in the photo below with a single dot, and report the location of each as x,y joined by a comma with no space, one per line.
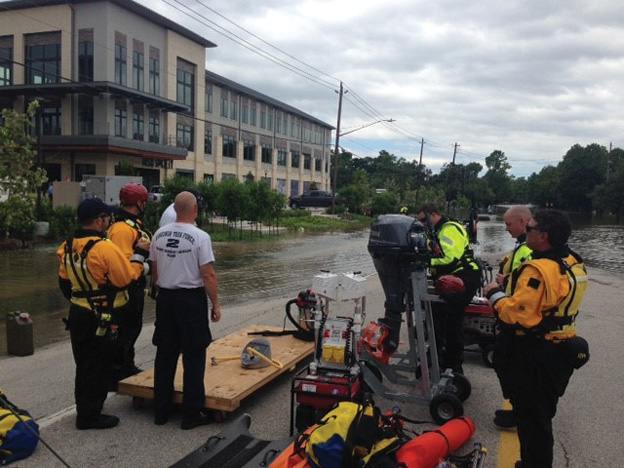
544,297
104,266
126,232
456,249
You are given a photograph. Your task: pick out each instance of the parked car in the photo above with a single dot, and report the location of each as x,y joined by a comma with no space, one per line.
314,198
155,193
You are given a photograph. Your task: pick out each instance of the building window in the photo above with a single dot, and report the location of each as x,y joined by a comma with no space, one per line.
269,122
185,80
295,159
229,147
137,70
307,161
253,116
85,115
6,64
83,169
263,119
227,175
209,178
317,164
43,58
208,142
281,157
209,102
184,136
155,76
121,122
224,107
233,110
85,61
120,65
154,130
266,154
245,114
137,126
51,120
248,150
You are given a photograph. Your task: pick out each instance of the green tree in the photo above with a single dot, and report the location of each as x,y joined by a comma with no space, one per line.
383,203
580,170
19,177
542,188
608,197
497,176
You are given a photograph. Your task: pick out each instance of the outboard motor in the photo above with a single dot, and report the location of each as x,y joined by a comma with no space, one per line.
396,243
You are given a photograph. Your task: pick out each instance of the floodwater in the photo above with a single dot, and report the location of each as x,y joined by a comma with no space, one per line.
255,271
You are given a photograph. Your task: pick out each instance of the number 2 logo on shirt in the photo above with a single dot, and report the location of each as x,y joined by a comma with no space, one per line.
172,243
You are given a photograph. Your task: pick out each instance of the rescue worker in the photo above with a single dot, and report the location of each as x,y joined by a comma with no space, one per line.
125,232
93,275
453,256
515,219
182,258
544,298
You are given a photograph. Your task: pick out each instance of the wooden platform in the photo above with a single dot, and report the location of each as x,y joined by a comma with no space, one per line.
228,383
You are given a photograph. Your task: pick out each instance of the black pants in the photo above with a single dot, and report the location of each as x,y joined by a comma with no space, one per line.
181,326
93,356
540,377
504,349
449,321
130,323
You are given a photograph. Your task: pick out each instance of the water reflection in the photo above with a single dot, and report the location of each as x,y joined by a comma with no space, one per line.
248,272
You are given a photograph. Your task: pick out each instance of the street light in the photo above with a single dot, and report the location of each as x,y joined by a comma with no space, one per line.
336,147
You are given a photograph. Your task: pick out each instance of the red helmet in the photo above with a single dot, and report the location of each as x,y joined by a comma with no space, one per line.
447,285
131,194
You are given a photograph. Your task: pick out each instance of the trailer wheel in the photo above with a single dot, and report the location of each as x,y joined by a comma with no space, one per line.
461,387
488,354
444,407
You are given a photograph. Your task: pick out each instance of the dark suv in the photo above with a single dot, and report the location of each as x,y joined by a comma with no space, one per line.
314,198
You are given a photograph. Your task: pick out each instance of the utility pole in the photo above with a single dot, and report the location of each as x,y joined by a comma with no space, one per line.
336,148
453,163
419,173
607,171
421,153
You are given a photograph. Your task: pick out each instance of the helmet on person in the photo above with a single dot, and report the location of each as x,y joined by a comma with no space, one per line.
448,285
132,194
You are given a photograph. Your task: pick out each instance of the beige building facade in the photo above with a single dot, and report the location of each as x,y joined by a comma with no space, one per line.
119,83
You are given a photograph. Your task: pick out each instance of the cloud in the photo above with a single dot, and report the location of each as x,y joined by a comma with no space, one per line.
530,78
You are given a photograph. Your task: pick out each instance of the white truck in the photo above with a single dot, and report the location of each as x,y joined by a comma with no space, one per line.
107,188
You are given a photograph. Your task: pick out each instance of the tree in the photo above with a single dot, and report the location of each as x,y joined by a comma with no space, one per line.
580,170
542,188
19,177
497,176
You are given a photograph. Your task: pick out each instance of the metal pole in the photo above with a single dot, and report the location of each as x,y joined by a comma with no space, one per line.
336,148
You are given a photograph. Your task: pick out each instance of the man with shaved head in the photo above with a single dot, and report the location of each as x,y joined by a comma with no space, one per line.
182,265
515,219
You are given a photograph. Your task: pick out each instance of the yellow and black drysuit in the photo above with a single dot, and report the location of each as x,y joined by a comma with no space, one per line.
545,294
125,233
93,275
454,256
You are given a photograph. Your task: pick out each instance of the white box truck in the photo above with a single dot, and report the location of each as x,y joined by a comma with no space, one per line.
107,188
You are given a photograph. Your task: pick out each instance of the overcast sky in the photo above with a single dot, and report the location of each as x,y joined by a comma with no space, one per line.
530,78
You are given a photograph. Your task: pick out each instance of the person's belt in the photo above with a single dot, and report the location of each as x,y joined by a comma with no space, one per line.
181,289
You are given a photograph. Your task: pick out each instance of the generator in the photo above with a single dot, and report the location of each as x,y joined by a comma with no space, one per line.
334,373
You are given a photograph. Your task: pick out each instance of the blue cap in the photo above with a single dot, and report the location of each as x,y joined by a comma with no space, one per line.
91,208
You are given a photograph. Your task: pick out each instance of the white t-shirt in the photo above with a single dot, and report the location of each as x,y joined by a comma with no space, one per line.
168,216
180,249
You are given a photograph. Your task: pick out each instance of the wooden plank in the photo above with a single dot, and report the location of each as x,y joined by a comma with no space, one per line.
227,383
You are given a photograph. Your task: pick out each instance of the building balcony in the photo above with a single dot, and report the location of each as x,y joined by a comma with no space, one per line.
100,138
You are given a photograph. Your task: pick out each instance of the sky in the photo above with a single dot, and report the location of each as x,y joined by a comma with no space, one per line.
530,78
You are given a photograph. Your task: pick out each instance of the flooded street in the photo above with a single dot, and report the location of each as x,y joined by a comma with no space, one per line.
256,271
